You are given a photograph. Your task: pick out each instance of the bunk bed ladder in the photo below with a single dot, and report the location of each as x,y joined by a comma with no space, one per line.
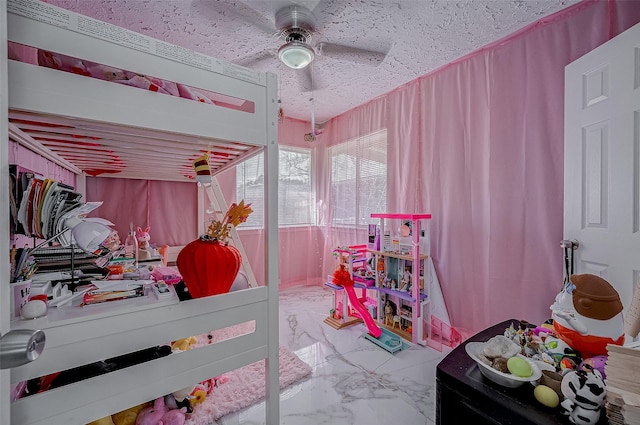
218,205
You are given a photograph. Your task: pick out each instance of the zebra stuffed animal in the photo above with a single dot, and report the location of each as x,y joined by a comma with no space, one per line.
584,393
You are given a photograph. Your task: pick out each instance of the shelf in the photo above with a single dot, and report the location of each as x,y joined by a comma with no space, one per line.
355,285
61,316
398,255
358,280
400,294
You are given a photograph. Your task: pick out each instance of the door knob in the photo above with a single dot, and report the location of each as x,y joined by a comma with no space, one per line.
570,243
20,347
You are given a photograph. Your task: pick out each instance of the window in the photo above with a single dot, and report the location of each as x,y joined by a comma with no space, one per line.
359,179
295,194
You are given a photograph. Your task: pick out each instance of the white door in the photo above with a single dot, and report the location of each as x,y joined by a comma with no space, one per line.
4,212
602,161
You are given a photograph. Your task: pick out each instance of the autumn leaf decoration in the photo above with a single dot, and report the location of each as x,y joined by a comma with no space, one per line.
237,213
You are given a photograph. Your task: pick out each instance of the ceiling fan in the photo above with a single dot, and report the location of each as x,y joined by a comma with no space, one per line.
296,26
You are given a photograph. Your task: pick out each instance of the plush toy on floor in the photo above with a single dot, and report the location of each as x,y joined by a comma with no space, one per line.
102,421
159,414
128,416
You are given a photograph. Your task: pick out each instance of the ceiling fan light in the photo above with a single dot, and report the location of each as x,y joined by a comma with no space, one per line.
296,55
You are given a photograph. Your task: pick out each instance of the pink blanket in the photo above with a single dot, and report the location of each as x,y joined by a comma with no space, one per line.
120,76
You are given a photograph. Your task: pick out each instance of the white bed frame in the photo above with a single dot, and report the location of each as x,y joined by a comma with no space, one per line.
74,340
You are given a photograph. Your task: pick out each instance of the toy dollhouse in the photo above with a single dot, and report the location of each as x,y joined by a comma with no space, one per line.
397,281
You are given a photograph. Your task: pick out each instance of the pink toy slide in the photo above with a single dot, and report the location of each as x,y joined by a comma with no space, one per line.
374,330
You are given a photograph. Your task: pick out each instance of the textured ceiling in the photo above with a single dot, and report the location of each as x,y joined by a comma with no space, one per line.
417,36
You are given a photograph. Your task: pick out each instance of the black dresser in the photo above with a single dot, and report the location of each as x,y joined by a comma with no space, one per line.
465,396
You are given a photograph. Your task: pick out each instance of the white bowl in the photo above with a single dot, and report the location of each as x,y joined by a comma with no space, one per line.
505,379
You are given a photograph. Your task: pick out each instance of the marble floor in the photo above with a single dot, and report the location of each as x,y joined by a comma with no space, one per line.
354,382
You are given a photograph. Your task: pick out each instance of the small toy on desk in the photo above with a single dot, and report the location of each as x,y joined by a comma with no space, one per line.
161,289
144,250
33,309
167,274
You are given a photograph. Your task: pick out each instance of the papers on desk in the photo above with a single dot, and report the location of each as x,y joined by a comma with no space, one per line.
118,285
102,291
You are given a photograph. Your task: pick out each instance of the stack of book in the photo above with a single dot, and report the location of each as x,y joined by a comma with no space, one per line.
623,387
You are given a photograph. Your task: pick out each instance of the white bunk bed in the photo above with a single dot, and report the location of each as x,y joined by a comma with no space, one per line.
177,128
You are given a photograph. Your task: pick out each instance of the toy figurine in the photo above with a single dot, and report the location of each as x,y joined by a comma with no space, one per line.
380,267
393,284
389,312
406,279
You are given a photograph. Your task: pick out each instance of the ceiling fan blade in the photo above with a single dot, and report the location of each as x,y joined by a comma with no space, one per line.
306,79
351,53
240,10
257,58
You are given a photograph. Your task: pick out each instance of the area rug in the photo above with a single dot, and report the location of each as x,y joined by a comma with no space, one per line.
246,386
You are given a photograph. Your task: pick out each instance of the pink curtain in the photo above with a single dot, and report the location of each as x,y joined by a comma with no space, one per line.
28,160
479,144
147,203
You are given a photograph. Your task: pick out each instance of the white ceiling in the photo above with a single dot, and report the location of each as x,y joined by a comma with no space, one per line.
418,36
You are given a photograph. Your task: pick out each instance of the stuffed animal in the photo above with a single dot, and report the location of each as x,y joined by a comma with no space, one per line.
102,421
144,252
597,362
128,416
172,403
62,62
174,417
183,344
159,414
152,415
104,72
584,393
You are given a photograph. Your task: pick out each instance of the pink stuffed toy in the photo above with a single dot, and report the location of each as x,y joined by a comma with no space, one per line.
175,417
144,253
62,62
159,414
152,415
